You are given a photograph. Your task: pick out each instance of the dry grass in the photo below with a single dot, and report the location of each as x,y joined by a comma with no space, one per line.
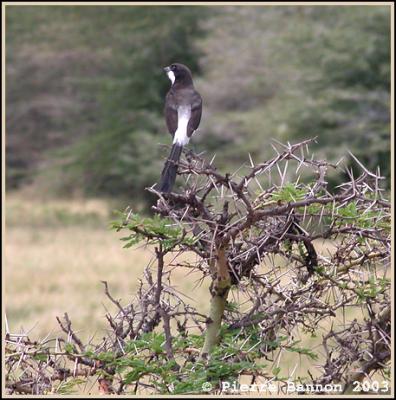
56,254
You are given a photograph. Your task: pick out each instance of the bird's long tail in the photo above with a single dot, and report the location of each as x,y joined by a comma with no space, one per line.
168,175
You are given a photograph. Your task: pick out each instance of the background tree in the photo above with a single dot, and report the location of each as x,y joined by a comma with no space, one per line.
266,72
298,72
103,68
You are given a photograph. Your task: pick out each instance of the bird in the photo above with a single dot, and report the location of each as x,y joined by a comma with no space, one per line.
183,111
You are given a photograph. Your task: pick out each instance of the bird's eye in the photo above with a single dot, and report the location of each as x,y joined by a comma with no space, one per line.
173,66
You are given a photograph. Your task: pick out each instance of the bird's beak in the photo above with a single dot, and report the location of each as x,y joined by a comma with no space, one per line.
167,69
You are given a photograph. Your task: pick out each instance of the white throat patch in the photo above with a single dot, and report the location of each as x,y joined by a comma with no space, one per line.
171,76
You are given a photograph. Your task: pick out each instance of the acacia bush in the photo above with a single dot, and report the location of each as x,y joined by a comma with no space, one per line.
295,269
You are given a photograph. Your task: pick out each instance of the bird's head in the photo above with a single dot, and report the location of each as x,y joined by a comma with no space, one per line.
178,73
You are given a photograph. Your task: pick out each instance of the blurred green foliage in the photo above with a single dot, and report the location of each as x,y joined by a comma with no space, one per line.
298,72
99,72
85,87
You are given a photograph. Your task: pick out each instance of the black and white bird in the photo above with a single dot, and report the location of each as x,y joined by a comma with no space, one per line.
183,110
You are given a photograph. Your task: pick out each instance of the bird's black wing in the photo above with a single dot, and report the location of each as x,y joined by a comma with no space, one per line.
196,112
171,116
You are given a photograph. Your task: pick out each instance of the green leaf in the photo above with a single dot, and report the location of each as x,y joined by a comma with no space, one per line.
276,371
69,348
301,350
40,356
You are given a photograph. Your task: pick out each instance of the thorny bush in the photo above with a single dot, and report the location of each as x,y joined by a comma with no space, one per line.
295,268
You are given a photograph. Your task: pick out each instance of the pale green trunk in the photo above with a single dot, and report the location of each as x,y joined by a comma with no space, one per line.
219,291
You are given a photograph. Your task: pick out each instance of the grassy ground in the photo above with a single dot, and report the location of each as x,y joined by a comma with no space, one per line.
56,254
